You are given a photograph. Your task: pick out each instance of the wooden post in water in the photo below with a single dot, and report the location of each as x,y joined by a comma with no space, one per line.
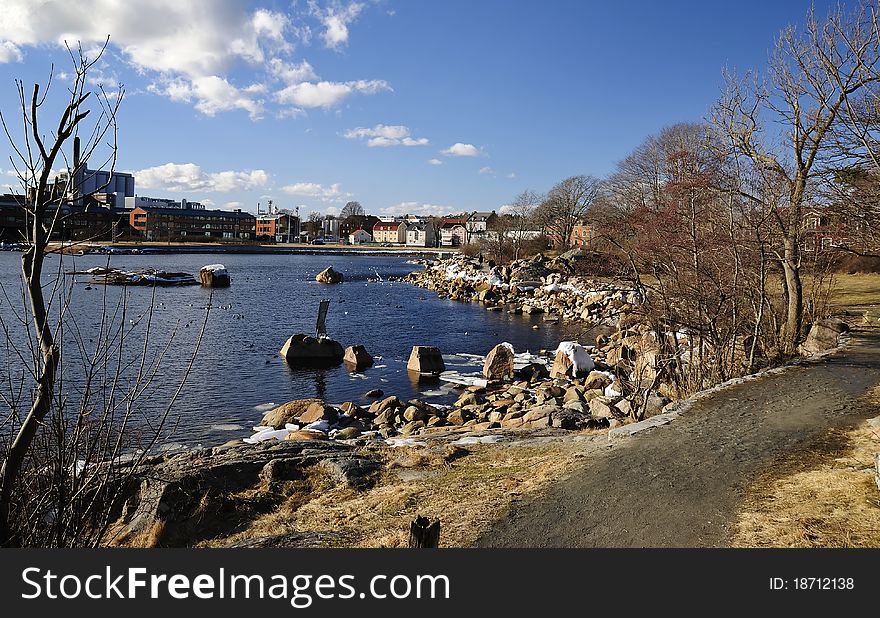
423,533
321,328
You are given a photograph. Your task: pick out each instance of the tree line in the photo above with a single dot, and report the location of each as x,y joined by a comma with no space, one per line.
709,217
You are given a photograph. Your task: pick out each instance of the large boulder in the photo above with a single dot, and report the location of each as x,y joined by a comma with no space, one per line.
318,411
214,276
306,350
356,357
328,275
287,412
426,360
823,336
571,361
533,372
499,363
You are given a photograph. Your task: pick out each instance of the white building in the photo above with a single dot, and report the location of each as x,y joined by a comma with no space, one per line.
420,235
359,236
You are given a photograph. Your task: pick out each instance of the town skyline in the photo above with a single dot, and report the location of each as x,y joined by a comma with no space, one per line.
429,109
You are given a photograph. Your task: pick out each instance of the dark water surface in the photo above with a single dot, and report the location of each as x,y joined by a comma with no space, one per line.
238,372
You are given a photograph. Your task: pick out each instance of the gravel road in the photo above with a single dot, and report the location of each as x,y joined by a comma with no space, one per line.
679,485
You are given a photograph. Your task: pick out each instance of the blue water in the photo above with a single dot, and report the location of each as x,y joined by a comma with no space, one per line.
237,371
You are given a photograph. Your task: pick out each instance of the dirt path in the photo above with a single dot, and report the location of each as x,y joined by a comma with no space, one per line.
679,485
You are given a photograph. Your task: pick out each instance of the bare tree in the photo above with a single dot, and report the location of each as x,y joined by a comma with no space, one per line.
566,204
313,224
73,437
522,212
813,75
34,162
351,209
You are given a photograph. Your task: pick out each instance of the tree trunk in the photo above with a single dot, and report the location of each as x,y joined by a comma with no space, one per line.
791,269
32,265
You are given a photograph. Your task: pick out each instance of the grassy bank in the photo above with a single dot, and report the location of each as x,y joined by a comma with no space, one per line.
822,496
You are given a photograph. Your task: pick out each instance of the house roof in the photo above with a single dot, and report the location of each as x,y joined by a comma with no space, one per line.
359,230
387,225
449,225
481,216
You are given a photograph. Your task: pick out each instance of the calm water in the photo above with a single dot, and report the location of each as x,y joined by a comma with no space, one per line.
238,371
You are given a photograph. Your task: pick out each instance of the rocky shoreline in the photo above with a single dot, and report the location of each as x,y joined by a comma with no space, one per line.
522,392
593,390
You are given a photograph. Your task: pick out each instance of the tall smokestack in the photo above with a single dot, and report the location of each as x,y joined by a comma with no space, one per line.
76,154
77,173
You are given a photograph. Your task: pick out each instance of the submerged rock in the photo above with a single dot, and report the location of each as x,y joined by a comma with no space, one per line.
356,357
306,350
214,276
426,360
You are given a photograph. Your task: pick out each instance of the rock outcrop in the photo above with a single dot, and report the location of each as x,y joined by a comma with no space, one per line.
287,413
182,499
328,275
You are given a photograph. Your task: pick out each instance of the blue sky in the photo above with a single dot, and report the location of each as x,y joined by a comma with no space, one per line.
406,106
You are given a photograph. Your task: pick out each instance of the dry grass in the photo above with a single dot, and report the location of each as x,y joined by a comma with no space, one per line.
822,496
863,289
466,488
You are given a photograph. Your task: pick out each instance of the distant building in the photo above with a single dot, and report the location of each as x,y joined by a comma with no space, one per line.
71,223
478,224
12,219
192,224
390,232
453,232
330,228
581,235
160,202
281,227
355,222
420,235
359,237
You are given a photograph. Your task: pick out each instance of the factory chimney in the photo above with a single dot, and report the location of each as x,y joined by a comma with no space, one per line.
77,173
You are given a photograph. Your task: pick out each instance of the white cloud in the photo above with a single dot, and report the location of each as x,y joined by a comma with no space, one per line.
292,73
207,202
214,94
191,50
385,135
486,170
232,205
332,193
193,38
462,150
512,175
435,162
190,177
9,52
327,94
335,20
415,208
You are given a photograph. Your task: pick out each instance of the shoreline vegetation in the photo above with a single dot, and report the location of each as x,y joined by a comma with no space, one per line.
315,474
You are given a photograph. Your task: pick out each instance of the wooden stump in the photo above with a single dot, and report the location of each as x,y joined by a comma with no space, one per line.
423,533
